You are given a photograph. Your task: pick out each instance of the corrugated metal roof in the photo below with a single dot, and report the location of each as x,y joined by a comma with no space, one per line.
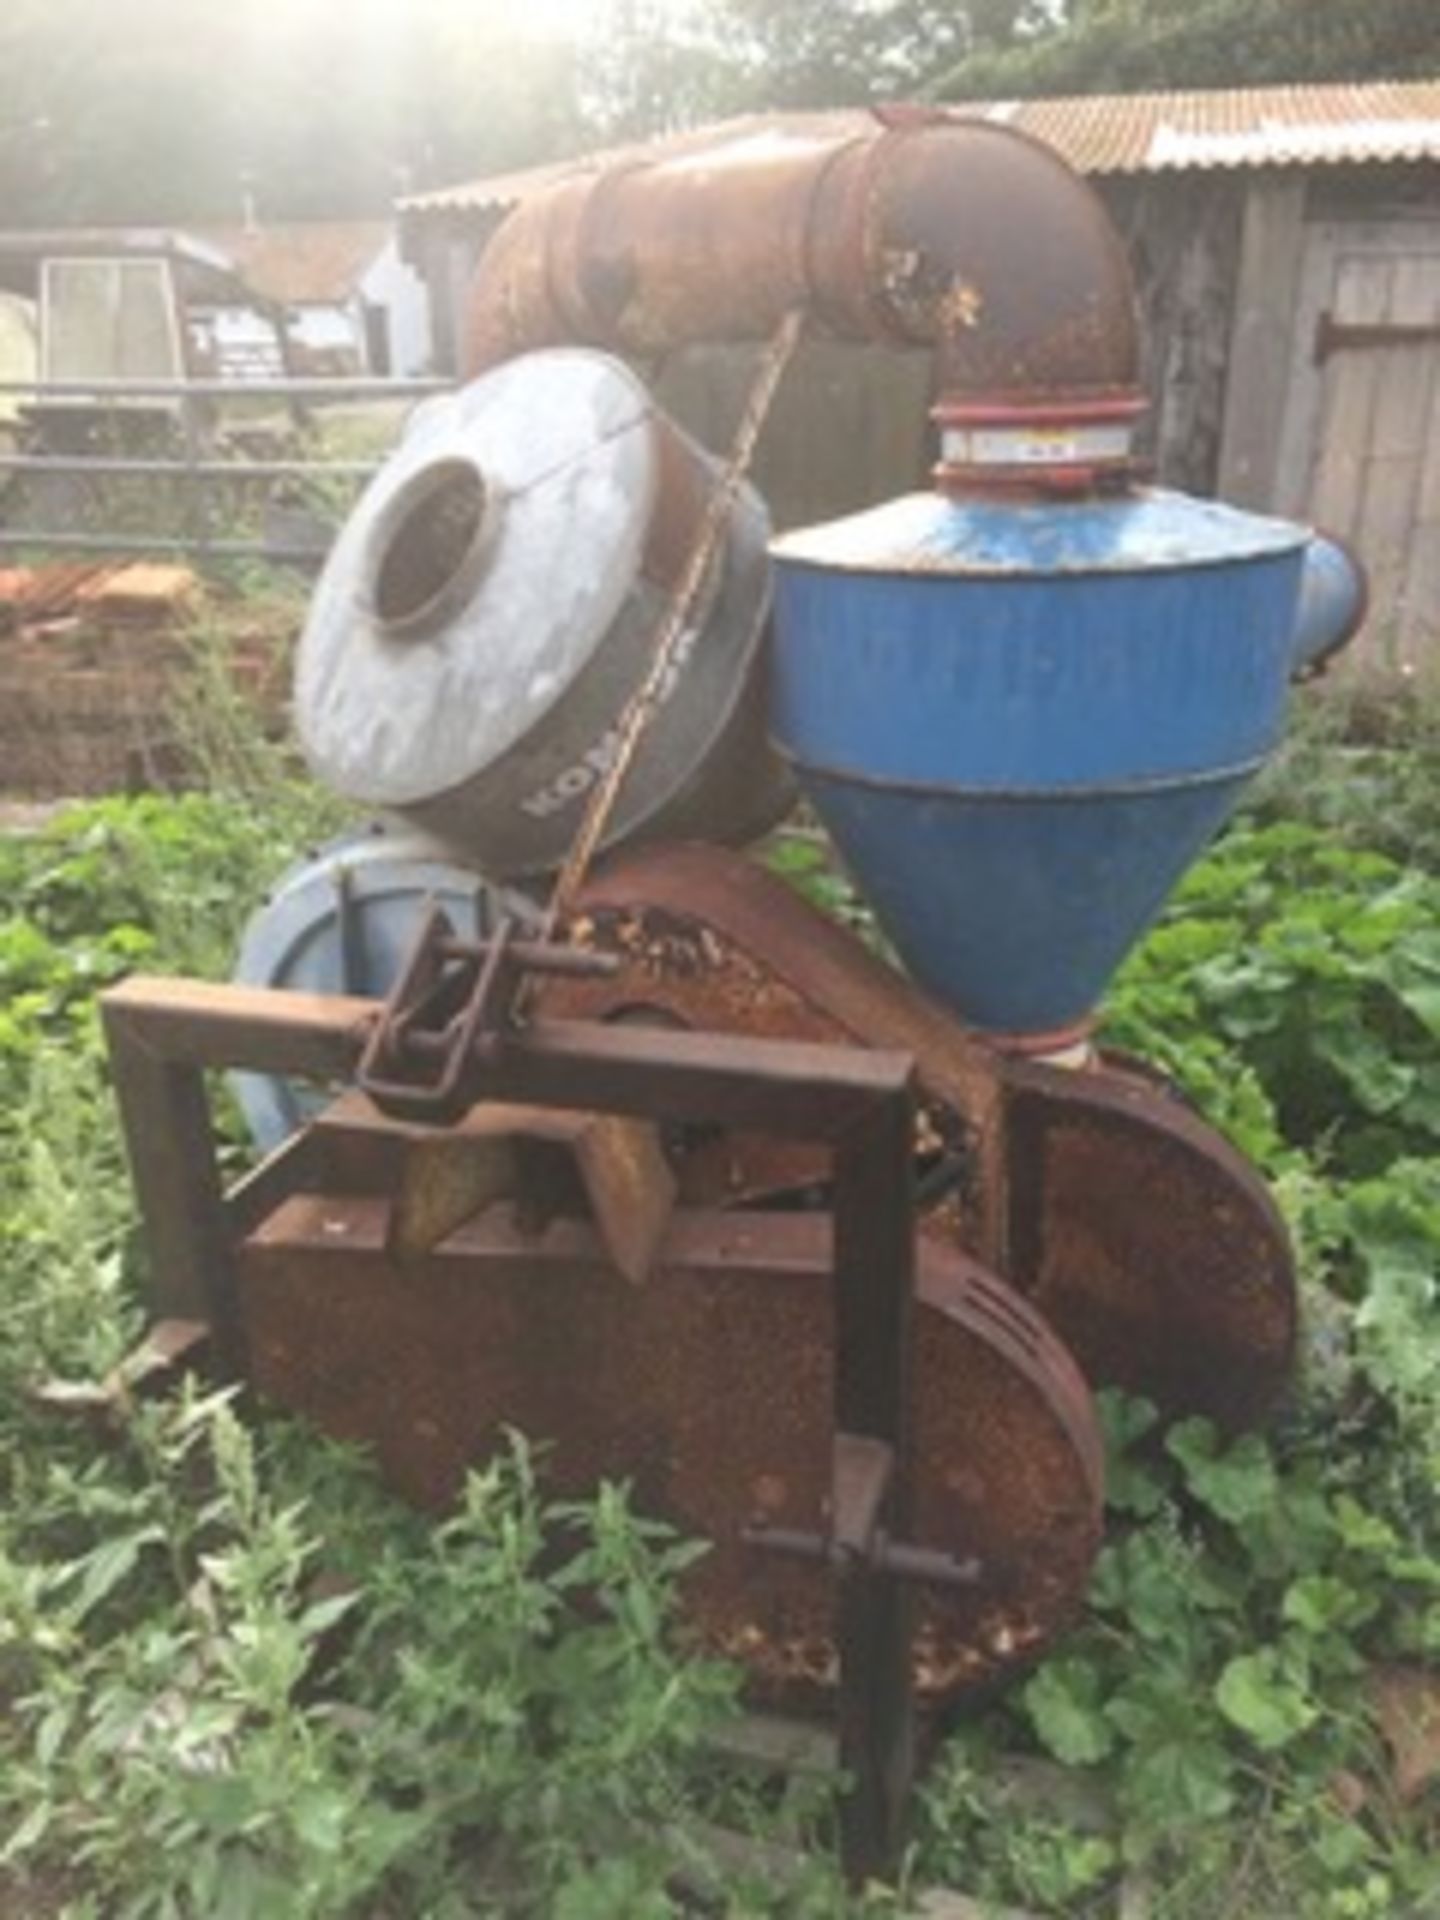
301,263
1106,133
504,189
1378,121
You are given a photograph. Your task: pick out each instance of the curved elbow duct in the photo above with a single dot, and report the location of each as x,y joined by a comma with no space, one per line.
922,230
1334,595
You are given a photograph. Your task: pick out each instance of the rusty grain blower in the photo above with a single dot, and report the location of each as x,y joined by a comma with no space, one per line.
579,1120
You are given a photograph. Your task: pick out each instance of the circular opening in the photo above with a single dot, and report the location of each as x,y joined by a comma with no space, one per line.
429,547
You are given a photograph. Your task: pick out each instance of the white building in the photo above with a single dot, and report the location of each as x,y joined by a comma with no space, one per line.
346,302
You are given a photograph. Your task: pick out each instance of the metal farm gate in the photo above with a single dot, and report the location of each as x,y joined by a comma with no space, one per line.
89,450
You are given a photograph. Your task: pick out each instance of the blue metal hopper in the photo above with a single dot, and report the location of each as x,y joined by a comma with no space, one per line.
1022,720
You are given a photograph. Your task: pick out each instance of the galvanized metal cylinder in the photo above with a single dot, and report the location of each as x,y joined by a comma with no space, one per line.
494,602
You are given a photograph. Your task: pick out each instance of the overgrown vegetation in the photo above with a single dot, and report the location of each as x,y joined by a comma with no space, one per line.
238,1680
502,1725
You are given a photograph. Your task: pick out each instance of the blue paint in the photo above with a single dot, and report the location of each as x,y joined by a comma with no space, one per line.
295,940
1016,913
1021,722
1333,593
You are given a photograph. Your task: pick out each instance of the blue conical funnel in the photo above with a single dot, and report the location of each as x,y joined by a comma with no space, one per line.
1021,722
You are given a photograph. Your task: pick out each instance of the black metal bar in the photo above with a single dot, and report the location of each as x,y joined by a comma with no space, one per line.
874,1301
874,1179
350,928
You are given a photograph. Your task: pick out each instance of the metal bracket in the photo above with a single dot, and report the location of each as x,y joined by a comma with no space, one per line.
863,1474
448,1012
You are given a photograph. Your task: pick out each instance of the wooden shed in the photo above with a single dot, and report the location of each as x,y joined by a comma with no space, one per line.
1286,246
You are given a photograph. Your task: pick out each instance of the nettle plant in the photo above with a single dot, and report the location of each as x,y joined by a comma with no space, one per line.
215,1713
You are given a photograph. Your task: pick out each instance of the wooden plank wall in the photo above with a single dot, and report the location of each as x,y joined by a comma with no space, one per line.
1360,448
1262,338
1182,235
849,425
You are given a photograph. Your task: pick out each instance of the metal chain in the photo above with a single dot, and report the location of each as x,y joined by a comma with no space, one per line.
645,701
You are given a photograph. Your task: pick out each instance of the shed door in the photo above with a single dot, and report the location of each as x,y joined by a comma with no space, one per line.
1361,452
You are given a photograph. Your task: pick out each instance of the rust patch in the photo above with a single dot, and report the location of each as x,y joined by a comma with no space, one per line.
710,1391
1150,1245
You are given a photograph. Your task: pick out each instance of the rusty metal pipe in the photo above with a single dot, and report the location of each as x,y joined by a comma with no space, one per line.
920,230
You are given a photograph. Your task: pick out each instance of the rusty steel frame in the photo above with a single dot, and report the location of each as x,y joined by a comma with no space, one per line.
1152,1248
164,1035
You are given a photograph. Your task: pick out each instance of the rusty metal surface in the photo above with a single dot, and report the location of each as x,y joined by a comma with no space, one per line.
204,1023
538,1158
995,251
926,229
449,1011
1152,1245
821,962
711,1389
734,1388
861,1102
1149,1244
163,1034
709,940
